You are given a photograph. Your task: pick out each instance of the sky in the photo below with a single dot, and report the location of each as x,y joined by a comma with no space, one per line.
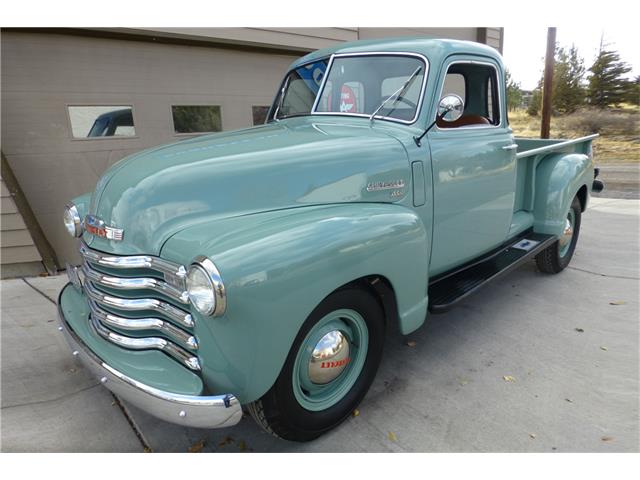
524,48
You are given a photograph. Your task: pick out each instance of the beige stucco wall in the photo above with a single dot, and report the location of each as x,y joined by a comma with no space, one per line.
43,73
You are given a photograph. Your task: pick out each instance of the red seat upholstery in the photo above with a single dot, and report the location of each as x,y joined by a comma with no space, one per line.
464,121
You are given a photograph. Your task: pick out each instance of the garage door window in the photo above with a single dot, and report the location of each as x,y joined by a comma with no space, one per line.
100,121
196,118
259,114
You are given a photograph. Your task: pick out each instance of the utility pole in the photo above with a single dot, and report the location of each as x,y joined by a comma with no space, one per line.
547,89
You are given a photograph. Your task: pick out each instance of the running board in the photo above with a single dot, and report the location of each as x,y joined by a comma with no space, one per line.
445,291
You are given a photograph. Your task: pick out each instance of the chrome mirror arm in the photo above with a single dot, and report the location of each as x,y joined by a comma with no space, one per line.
449,103
438,117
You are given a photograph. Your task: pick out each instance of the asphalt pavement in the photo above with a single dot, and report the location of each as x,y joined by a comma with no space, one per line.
621,180
532,363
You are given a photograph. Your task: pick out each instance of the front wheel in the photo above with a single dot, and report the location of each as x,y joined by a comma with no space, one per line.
329,369
557,256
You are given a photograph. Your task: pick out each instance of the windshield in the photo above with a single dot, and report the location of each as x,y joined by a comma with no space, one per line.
364,83
301,87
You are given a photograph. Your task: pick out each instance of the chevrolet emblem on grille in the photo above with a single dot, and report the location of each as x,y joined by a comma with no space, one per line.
96,226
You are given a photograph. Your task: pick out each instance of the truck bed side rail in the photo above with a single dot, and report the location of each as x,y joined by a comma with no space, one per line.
554,147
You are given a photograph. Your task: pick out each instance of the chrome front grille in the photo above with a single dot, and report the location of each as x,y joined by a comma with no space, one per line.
146,283
138,302
133,261
139,324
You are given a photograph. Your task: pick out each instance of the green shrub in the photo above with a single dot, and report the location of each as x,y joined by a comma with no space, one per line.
535,103
591,120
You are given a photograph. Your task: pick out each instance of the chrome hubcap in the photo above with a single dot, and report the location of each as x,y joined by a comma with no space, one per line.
567,233
564,242
565,239
329,358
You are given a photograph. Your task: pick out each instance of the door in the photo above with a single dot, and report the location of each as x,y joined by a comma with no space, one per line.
473,161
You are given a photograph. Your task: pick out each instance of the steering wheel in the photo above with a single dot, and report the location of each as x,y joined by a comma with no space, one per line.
408,102
403,100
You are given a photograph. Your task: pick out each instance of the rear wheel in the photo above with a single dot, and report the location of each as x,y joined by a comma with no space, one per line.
556,257
329,369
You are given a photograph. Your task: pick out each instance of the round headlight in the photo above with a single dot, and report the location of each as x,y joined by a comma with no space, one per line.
72,221
200,290
204,287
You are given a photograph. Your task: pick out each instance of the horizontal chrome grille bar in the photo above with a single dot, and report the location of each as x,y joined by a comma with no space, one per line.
121,283
133,261
136,324
139,304
111,295
147,343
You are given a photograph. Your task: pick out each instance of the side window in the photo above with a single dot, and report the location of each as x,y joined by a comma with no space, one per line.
455,83
477,85
300,97
96,121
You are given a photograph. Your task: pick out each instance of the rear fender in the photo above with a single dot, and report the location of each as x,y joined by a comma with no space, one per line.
278,266
559,177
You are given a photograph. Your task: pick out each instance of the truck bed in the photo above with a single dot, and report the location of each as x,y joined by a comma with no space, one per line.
531,152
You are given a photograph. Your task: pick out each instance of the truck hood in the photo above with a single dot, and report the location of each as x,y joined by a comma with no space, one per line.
301,161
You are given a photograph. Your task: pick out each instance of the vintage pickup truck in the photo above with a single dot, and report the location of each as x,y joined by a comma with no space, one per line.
262,267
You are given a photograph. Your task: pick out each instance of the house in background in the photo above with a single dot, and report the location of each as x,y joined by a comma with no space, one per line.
75,101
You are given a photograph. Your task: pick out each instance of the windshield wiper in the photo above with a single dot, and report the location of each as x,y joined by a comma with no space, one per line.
397,94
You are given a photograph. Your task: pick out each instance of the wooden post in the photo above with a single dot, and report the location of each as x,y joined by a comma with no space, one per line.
547,89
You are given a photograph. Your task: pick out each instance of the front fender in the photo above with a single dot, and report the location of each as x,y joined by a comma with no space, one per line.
558,179
278,266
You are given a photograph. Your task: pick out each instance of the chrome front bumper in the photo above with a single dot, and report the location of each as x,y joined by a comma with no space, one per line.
191,411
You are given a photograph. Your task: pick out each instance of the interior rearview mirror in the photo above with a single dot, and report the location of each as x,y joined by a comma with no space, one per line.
451,107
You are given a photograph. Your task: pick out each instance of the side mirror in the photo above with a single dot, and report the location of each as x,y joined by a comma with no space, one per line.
451,107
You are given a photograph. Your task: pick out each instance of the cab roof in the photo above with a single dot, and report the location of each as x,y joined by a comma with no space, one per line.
435,50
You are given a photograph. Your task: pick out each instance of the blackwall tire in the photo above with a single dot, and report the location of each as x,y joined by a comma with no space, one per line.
299,409
556,257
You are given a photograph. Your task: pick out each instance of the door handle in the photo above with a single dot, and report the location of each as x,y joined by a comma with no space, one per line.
513,146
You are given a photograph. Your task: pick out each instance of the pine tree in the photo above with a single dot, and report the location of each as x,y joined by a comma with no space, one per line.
607,83
568,92
568,72
633,91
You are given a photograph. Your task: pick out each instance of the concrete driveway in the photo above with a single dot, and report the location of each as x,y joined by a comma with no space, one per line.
534,363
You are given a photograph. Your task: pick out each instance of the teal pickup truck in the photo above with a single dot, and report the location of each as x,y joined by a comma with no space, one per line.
261,268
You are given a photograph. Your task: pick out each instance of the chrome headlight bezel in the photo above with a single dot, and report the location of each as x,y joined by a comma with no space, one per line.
72,220
218,304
